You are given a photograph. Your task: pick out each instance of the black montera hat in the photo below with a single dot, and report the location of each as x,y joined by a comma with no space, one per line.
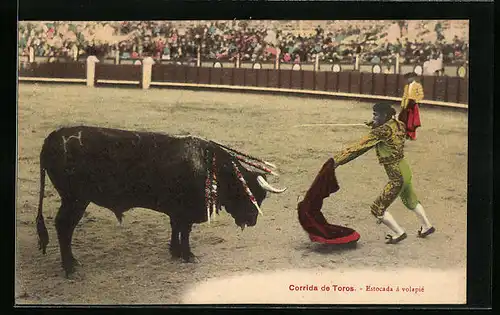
384,108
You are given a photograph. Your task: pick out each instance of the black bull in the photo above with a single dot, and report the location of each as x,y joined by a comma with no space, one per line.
120,170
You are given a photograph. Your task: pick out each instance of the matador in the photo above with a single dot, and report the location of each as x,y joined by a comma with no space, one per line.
388,136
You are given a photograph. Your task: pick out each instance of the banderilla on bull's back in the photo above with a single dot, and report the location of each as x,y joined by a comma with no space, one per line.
260,167
244,154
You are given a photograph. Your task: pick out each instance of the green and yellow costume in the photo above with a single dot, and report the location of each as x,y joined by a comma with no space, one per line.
412,91
388,139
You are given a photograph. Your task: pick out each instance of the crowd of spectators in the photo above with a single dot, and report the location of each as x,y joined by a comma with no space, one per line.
334,41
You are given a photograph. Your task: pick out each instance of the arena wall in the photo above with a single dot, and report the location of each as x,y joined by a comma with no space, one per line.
438,90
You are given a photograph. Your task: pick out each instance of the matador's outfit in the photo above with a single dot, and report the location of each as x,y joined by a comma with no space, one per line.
388,139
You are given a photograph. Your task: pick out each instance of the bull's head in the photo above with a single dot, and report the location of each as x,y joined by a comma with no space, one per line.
236,199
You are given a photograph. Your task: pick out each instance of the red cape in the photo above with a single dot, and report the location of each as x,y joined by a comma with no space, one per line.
309,210
413,121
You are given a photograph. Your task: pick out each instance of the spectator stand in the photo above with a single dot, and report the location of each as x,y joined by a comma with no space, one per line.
356,45
363,58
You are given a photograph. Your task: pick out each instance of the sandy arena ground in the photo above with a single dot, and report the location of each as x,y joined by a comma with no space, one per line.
130,263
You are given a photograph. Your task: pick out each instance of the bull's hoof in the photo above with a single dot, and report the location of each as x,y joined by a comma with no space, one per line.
69,267
43,247
190,258
175,251
68,271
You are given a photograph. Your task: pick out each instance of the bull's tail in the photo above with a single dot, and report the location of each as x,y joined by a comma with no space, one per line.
43,235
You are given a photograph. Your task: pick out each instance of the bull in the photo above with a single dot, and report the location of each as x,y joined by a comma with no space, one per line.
120,170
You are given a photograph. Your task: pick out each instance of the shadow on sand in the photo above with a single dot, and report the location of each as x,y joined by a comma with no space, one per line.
327,248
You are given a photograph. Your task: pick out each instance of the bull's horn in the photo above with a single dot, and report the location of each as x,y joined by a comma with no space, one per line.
264,184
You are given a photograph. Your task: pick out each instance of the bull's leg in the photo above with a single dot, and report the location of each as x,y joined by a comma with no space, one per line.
175,246
68,216
186,253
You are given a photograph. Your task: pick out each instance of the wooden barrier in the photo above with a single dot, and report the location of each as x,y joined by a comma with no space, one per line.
438,90
227,76
308,80
109,73
66,70
309,92
250,77
428,86
367,85
320,81
205,76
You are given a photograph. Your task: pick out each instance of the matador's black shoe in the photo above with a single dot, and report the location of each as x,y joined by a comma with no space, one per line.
426,233
391,240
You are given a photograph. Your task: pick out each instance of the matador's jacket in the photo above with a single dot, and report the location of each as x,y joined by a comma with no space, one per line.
413,94
416,93
388,140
